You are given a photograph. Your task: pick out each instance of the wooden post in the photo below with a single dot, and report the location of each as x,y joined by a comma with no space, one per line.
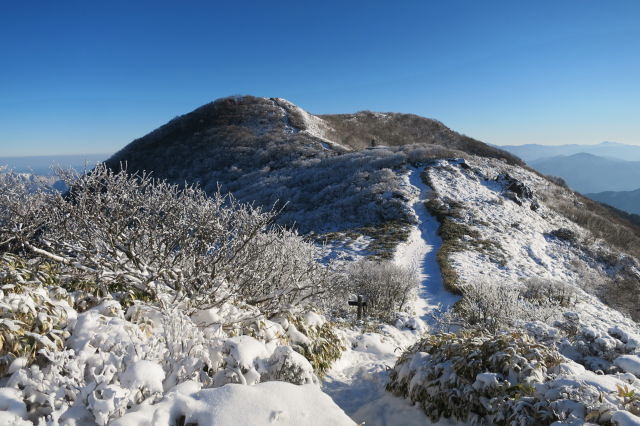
361,303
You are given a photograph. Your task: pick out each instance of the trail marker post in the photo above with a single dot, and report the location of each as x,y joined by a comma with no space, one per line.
361,303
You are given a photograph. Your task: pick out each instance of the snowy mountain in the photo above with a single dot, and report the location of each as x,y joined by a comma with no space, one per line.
494,295
324,168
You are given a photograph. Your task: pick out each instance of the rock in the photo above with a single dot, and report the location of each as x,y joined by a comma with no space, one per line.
516,190
513,197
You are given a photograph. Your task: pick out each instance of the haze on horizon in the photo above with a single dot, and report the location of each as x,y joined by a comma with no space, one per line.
82,77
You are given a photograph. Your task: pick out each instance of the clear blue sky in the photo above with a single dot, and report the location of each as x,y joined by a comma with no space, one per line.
89,77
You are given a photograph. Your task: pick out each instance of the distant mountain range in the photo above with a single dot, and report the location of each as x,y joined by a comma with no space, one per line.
534,152
624,200
608,172
589,173
44,165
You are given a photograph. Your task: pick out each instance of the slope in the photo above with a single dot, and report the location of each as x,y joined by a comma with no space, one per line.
420,250
270,151
356,381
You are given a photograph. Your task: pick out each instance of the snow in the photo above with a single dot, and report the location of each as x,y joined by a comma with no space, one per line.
143,373
357,380
346,249
269,403
11,403
116,363
245,350
625,418
420,252
629,363
486,380
315,126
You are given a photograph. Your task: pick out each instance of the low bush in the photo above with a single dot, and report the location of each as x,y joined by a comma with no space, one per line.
565,234
594,348
475,377
135,234
623,294
549,292
387,287
323,346
489,306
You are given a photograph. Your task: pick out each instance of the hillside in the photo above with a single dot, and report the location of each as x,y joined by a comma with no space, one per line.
494,295
269,151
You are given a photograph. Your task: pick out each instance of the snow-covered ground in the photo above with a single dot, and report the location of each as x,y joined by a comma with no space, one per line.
144,366
277,403
356,382
420,250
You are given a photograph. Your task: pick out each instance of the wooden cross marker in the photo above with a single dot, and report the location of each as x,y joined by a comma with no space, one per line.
361,303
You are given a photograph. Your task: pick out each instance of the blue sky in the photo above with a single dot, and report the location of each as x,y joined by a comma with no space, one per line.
89,77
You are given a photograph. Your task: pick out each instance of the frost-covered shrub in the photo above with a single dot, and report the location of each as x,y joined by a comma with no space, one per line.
549,292
494,306
313,337
32,318
595,348
135,234
565,234
387,287
287,365
22,206
91,373
474,377
113,361
489,305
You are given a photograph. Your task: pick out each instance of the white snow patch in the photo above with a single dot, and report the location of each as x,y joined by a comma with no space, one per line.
315,126
629,363
625,418
270,403
143,373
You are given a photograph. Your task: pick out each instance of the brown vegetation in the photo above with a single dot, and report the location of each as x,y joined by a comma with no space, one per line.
360,130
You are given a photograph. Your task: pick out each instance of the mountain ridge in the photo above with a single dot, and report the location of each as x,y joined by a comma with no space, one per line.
267,150
533,152
589,173
628,201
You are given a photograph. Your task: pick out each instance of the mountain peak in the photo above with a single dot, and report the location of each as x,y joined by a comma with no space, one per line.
239,125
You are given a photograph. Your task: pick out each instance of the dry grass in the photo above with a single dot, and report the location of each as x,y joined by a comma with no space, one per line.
359,130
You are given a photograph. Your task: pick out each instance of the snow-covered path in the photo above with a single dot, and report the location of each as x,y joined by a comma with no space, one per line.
420,251
356,382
